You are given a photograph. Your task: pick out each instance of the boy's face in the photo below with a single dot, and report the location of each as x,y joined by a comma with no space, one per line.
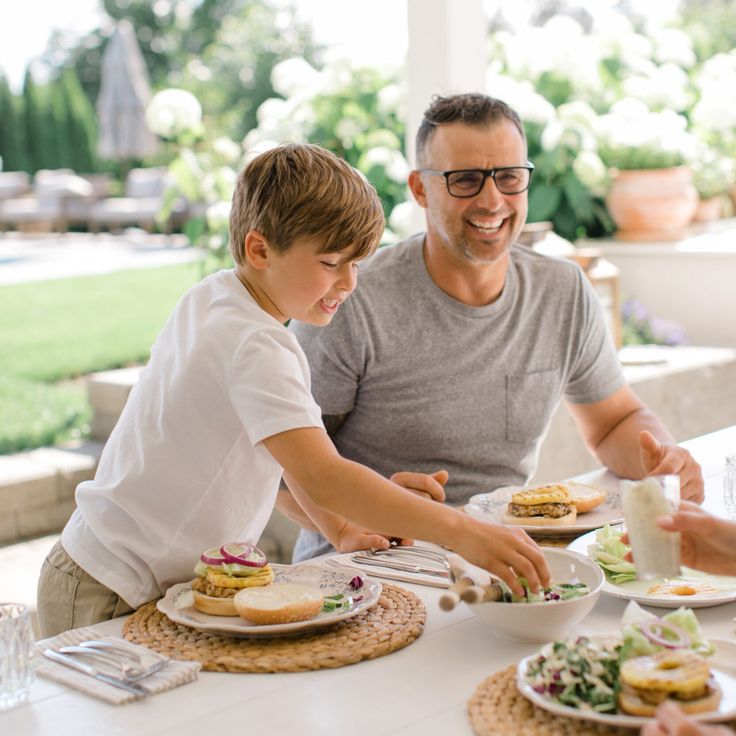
307,285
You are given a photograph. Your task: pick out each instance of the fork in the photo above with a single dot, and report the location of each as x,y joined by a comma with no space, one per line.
413,551
109,653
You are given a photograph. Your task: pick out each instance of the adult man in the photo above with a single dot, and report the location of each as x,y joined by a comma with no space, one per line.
457,345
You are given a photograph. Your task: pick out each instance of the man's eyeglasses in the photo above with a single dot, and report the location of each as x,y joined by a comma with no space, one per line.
464,183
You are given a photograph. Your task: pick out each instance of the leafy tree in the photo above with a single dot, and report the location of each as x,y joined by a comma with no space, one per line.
39,137
12,140
81,123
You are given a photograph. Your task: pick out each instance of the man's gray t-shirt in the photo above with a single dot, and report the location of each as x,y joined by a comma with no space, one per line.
428,382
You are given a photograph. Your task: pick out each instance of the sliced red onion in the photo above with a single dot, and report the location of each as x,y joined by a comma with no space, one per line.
212,557
357,582
665,634
243,554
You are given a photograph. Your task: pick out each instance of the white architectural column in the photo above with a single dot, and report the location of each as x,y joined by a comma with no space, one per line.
447,54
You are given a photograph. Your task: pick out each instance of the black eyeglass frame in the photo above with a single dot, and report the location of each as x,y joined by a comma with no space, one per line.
529,166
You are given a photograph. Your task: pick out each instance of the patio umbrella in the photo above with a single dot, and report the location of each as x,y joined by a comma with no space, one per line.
124,93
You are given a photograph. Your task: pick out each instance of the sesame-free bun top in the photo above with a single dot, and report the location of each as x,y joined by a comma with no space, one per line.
280,603
586,498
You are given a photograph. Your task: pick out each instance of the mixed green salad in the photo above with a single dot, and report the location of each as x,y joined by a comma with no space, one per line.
583,673
555,592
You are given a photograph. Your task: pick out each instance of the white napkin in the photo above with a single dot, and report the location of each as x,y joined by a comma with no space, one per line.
344,562
175,673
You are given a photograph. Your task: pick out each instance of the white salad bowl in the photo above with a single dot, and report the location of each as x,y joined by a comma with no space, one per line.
548,620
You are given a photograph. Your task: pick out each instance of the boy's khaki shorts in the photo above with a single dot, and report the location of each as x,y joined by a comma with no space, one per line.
69,597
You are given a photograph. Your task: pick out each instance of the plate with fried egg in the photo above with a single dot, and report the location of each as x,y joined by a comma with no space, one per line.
693,588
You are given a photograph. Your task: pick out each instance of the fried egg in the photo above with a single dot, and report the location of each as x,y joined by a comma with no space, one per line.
683,588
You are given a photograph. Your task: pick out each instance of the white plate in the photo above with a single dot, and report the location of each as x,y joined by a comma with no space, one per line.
636,590
725,711
177,605
493,506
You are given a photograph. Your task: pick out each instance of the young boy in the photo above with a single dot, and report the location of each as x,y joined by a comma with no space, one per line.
223,409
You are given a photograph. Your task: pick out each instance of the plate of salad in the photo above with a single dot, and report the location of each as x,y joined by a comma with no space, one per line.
692,588
580,677
345,595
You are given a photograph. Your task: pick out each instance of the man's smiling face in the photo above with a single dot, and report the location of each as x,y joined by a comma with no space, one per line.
482,228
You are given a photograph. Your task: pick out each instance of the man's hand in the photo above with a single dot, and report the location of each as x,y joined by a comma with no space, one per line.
660,459
422,484
506,552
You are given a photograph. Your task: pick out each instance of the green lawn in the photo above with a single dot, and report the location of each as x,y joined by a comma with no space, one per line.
52,332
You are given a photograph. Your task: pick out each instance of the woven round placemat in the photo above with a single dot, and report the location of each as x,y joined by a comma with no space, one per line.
498,708
395,621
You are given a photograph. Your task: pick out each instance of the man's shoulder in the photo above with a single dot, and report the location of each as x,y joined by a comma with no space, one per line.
543,267
389,258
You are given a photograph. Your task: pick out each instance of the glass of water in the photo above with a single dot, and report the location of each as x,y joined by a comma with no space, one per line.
729,486
16,645
656,552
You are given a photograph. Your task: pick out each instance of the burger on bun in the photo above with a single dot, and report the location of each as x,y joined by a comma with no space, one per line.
549,505
223,571
679,675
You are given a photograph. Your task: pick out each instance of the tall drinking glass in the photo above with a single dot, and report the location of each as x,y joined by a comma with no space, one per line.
729,486
656,552
16,643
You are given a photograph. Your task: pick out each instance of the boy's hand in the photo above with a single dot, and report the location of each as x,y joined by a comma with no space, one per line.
422,484
506,552
352,538
661,459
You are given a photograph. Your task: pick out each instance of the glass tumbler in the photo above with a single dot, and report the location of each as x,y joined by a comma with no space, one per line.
729,486
656,552
16,645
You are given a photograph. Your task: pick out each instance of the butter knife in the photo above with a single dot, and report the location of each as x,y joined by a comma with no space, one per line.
393,565
88,669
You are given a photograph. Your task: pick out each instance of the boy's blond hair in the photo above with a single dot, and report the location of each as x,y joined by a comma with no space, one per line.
300,190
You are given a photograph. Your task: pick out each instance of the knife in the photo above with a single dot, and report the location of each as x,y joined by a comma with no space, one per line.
393,565
93,672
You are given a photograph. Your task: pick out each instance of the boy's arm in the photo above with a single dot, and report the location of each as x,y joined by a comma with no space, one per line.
289,507
310,458
339,532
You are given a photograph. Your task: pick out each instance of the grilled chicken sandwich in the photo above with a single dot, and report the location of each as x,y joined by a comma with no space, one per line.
220,576
550,505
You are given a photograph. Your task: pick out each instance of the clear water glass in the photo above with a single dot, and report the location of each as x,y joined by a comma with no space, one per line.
656,552
729,486
16,662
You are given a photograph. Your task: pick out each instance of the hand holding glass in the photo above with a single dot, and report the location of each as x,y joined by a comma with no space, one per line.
656,552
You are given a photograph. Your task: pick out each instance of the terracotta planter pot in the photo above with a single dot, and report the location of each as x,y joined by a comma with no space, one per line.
652,204
708,209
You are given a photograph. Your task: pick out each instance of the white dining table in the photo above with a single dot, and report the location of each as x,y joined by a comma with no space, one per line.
420,690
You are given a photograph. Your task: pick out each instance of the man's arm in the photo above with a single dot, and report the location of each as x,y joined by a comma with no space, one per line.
630,440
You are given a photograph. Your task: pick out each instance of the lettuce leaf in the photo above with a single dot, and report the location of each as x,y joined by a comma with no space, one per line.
637,645
609,553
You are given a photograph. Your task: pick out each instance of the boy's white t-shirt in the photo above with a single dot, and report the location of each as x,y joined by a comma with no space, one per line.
184,469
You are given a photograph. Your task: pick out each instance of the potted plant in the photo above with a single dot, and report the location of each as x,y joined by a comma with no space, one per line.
712,174
651,195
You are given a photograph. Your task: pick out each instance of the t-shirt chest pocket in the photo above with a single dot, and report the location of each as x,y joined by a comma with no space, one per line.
531,398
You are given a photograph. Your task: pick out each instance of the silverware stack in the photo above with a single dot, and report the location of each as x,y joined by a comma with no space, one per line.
116,663
413,559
